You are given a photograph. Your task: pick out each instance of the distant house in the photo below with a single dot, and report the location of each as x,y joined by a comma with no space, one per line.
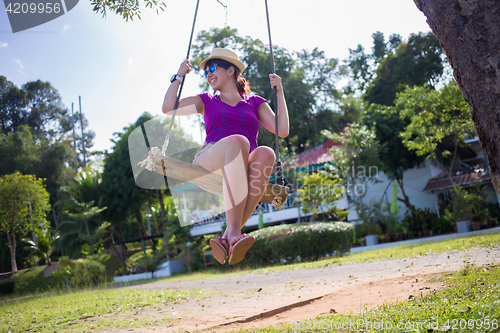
426,186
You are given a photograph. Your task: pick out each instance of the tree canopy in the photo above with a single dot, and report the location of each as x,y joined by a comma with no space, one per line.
24,199
413,63
435,115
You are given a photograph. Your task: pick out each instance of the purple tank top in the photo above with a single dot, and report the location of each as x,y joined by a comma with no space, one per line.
223,120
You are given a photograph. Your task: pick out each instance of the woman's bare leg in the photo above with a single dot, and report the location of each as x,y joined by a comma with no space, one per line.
231,156
260,166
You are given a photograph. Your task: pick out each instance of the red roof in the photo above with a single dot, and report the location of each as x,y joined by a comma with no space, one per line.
317,155
442,181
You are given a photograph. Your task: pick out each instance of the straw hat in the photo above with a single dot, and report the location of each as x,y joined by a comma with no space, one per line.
224,54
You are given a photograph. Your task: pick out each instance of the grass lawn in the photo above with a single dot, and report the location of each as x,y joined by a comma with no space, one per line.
85,310
472,293
468,302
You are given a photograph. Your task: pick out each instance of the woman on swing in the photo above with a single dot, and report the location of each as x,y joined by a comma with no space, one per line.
232,124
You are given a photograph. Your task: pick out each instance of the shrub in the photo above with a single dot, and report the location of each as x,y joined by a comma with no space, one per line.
83,272
290,242
88,272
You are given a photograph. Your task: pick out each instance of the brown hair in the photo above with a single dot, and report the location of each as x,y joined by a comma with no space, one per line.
242,84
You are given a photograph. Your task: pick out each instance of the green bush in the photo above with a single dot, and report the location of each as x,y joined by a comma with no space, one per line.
291,242
88,272
83,272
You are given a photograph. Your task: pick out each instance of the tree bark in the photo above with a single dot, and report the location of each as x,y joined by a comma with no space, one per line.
11,240
469,32
406,199
118,230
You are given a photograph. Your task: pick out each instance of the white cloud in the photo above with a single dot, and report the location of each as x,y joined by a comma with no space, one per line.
131,61
3,44
20,65
66,27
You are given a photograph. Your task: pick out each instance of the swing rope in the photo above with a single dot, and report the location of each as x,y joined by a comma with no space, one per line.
165,144
149,163
279,171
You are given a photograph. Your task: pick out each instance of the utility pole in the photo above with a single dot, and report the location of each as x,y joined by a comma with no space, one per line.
74,138
83,138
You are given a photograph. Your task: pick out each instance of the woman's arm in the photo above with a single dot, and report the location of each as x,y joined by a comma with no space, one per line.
266,114
188,105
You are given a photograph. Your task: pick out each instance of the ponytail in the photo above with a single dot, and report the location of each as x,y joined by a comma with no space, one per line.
242,84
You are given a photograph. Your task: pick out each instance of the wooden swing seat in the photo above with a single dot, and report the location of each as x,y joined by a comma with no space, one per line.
196,175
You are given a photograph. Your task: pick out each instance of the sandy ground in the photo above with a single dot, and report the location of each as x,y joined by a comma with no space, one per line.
258,300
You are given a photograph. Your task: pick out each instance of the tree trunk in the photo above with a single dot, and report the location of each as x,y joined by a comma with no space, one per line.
469,32
118,229
405,199
162,211
112,244
55,217
12,248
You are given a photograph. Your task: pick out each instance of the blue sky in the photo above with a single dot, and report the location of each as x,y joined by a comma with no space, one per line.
121,69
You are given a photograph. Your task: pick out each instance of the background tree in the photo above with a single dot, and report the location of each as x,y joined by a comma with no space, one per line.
395,158
36,134
43,245
23,199
356,158
435,115
468,32
413,63
319,193
362,66
121,194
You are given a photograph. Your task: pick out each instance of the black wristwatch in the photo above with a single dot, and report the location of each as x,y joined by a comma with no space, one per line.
176,77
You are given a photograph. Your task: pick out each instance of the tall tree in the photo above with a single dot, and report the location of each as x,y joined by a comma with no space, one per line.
415,62
395,157
362,65
468,32
36,132
434,116
24,199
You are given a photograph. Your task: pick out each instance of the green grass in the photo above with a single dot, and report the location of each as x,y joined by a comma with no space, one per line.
83,310
32,281
468,302
60,310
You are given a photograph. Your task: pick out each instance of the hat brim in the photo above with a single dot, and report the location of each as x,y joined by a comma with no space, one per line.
233,61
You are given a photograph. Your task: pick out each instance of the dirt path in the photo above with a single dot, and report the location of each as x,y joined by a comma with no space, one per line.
257,300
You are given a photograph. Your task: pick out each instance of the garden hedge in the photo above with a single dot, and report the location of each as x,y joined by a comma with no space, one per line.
304,241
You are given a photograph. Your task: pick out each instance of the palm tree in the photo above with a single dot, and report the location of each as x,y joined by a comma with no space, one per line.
82,205
43,245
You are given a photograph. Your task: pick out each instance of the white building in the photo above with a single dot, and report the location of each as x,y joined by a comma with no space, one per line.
426,186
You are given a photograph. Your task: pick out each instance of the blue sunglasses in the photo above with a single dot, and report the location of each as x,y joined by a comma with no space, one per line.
213,68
